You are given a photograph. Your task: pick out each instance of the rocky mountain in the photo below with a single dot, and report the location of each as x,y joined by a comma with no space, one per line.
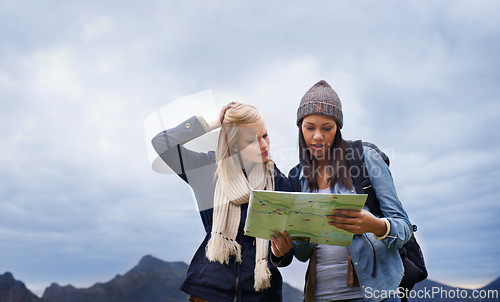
495,285
12,290
291,294
150,280
154,280
432,291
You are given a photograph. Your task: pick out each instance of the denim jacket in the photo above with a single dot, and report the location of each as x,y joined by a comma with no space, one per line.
388,266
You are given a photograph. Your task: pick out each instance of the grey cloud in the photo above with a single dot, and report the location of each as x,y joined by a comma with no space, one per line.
80,78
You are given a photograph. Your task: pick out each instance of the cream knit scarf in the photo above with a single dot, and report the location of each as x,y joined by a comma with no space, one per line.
228,199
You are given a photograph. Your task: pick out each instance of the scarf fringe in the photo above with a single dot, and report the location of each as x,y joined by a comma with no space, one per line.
262,275
220,249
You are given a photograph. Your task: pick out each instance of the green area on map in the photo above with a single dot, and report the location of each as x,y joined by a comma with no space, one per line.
302,215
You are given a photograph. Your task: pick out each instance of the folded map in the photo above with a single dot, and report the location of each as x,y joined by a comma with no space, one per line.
302,215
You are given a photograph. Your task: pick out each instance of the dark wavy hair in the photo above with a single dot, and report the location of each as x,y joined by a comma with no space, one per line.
338,167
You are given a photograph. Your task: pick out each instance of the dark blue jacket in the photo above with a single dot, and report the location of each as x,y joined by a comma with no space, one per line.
214,281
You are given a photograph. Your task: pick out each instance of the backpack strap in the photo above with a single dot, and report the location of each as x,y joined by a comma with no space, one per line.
354,156
360,176
382,154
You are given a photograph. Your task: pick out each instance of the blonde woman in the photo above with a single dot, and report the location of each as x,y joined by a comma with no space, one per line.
229,266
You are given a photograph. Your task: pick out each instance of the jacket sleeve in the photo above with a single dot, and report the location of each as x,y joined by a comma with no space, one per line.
168,145
302,250
390,205
281,261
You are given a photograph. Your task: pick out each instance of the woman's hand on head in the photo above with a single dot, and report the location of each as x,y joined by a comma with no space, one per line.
216,123
357,222
281,243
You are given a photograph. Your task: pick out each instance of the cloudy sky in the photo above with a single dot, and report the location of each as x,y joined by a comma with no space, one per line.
79,201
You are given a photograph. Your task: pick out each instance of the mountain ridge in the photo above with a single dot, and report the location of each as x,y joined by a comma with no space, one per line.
153,279
150,280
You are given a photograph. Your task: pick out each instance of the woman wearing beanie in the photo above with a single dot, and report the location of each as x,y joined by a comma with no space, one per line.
370,269
229,266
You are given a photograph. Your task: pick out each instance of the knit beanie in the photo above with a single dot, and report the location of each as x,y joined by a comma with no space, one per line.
321,99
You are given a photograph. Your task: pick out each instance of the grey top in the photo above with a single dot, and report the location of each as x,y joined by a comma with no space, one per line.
331,272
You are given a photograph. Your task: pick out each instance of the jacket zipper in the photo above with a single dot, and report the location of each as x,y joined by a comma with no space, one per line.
237,281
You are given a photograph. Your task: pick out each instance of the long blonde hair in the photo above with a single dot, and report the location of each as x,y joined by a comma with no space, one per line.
236,117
